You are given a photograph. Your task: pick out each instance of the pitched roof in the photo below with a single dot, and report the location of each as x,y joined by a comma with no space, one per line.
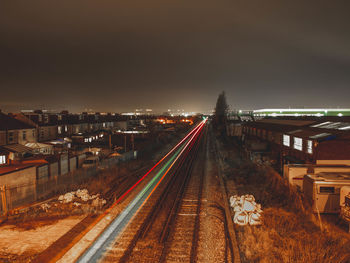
17,148
9,123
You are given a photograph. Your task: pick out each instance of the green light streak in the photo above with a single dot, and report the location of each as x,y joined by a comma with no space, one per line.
161,171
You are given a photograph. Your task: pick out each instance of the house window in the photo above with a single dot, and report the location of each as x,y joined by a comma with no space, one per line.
59,129
286,140
65,128
298,143
326,190
10,136
309,146
2,159
24,135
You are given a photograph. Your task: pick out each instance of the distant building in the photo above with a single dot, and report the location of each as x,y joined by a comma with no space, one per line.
301,112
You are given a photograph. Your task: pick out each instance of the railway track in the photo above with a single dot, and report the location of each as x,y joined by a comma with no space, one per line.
141,204
160,218
181,243
124,183
174,217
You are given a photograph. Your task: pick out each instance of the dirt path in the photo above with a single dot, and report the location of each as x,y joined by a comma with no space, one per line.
17,244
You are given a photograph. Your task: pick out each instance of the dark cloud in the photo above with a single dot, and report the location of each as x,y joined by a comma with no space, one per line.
120,55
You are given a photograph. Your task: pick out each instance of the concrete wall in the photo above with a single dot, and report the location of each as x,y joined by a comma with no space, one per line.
73,164
64,164
20,177
43,173
20,186
54,169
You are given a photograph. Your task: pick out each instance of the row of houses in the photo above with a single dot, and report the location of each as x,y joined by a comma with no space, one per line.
49,126
39,132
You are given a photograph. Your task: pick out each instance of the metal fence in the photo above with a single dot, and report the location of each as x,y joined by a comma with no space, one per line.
15,197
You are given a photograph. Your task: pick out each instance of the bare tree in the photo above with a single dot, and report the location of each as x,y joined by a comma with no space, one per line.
221,110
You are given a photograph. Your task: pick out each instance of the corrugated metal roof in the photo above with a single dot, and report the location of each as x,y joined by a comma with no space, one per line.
307,133
17,148
287,122
36,145
333,125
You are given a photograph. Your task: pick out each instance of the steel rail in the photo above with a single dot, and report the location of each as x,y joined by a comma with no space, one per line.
160,202
99,246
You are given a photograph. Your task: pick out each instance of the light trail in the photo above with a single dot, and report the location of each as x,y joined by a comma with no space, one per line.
178,156
99,246
161,160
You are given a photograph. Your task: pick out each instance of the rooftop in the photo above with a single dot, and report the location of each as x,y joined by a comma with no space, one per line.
9,123
330,177
14,167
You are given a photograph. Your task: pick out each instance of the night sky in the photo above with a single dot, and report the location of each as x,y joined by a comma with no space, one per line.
178,54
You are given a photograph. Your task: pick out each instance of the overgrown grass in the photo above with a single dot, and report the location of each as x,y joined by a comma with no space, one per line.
289,231
288,237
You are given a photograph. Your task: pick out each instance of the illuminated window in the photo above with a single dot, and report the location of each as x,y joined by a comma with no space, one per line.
298,143
286,140
309,146
59,129
2,159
